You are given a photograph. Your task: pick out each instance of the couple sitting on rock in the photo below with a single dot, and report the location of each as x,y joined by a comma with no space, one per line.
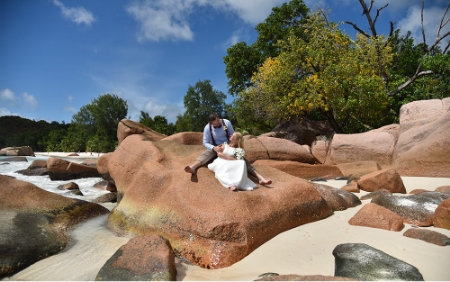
227,148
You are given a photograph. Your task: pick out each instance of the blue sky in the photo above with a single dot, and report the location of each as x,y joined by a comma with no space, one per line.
58,55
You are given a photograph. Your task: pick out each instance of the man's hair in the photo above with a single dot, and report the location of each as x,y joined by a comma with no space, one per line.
213,117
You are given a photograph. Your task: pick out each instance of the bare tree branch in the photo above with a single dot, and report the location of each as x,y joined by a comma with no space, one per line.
423,29
370,7
366,11
409,81
442,24
378,13
446,48
358,29
438,41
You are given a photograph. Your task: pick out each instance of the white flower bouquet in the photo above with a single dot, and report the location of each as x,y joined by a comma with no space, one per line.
239,153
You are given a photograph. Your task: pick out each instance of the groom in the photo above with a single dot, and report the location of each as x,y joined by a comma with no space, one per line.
215,133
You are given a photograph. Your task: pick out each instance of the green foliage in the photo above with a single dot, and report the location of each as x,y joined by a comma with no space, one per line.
242,60
200,101
326,72
158,123
17,131
407,58
95,125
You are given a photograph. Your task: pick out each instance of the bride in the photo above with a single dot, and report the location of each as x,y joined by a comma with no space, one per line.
230,167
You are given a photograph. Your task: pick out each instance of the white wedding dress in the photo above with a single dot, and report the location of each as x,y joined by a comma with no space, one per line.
231,172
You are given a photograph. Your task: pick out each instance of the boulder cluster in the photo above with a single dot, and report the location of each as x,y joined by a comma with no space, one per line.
171,214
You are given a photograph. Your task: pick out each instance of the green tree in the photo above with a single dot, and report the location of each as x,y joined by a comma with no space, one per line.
97,120
161,125
326,72
146,119
407,56
200,101
243,60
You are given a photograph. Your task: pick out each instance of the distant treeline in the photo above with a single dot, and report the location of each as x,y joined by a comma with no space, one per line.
19,131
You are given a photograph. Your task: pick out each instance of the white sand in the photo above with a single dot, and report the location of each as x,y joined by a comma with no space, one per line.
305,250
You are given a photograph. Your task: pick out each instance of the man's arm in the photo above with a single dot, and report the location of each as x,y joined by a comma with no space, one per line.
207,138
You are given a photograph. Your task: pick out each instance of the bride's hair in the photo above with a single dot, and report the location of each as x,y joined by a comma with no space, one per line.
239,140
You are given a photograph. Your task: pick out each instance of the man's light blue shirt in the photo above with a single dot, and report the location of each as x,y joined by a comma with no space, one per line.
219,134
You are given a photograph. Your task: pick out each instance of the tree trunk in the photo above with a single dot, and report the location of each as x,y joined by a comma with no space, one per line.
334,124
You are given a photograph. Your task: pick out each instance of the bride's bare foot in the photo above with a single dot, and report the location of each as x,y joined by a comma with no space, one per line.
264,181
189,169
232,188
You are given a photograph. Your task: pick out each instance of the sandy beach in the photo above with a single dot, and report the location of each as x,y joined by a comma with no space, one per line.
304,250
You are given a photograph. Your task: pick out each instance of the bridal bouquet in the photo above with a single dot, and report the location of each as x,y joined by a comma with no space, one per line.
239,153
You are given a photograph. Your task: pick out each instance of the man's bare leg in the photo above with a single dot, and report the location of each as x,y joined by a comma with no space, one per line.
261,179
192,169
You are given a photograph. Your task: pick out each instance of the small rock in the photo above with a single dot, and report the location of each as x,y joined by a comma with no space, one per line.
443,189
375,216
388,179
428,236
441,216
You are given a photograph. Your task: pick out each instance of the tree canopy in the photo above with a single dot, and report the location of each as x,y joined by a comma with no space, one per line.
93,128
243,60
200,101
324,71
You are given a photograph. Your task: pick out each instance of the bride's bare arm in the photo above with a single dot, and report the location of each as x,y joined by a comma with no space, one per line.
226,157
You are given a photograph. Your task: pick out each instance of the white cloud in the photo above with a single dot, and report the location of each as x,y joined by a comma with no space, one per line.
78,15
7,94
70,98
30,101
5,112
431,20
237,36
160,21
169,111
70,109
169,19
250,11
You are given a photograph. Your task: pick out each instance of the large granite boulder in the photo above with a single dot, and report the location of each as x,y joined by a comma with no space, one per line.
254,149
59,169
358,169
306,171
375,145
33,223
320,149
206,223
375,216
423,147
282,149
143,258
415,209
128,127
365,263
17,151
186,138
